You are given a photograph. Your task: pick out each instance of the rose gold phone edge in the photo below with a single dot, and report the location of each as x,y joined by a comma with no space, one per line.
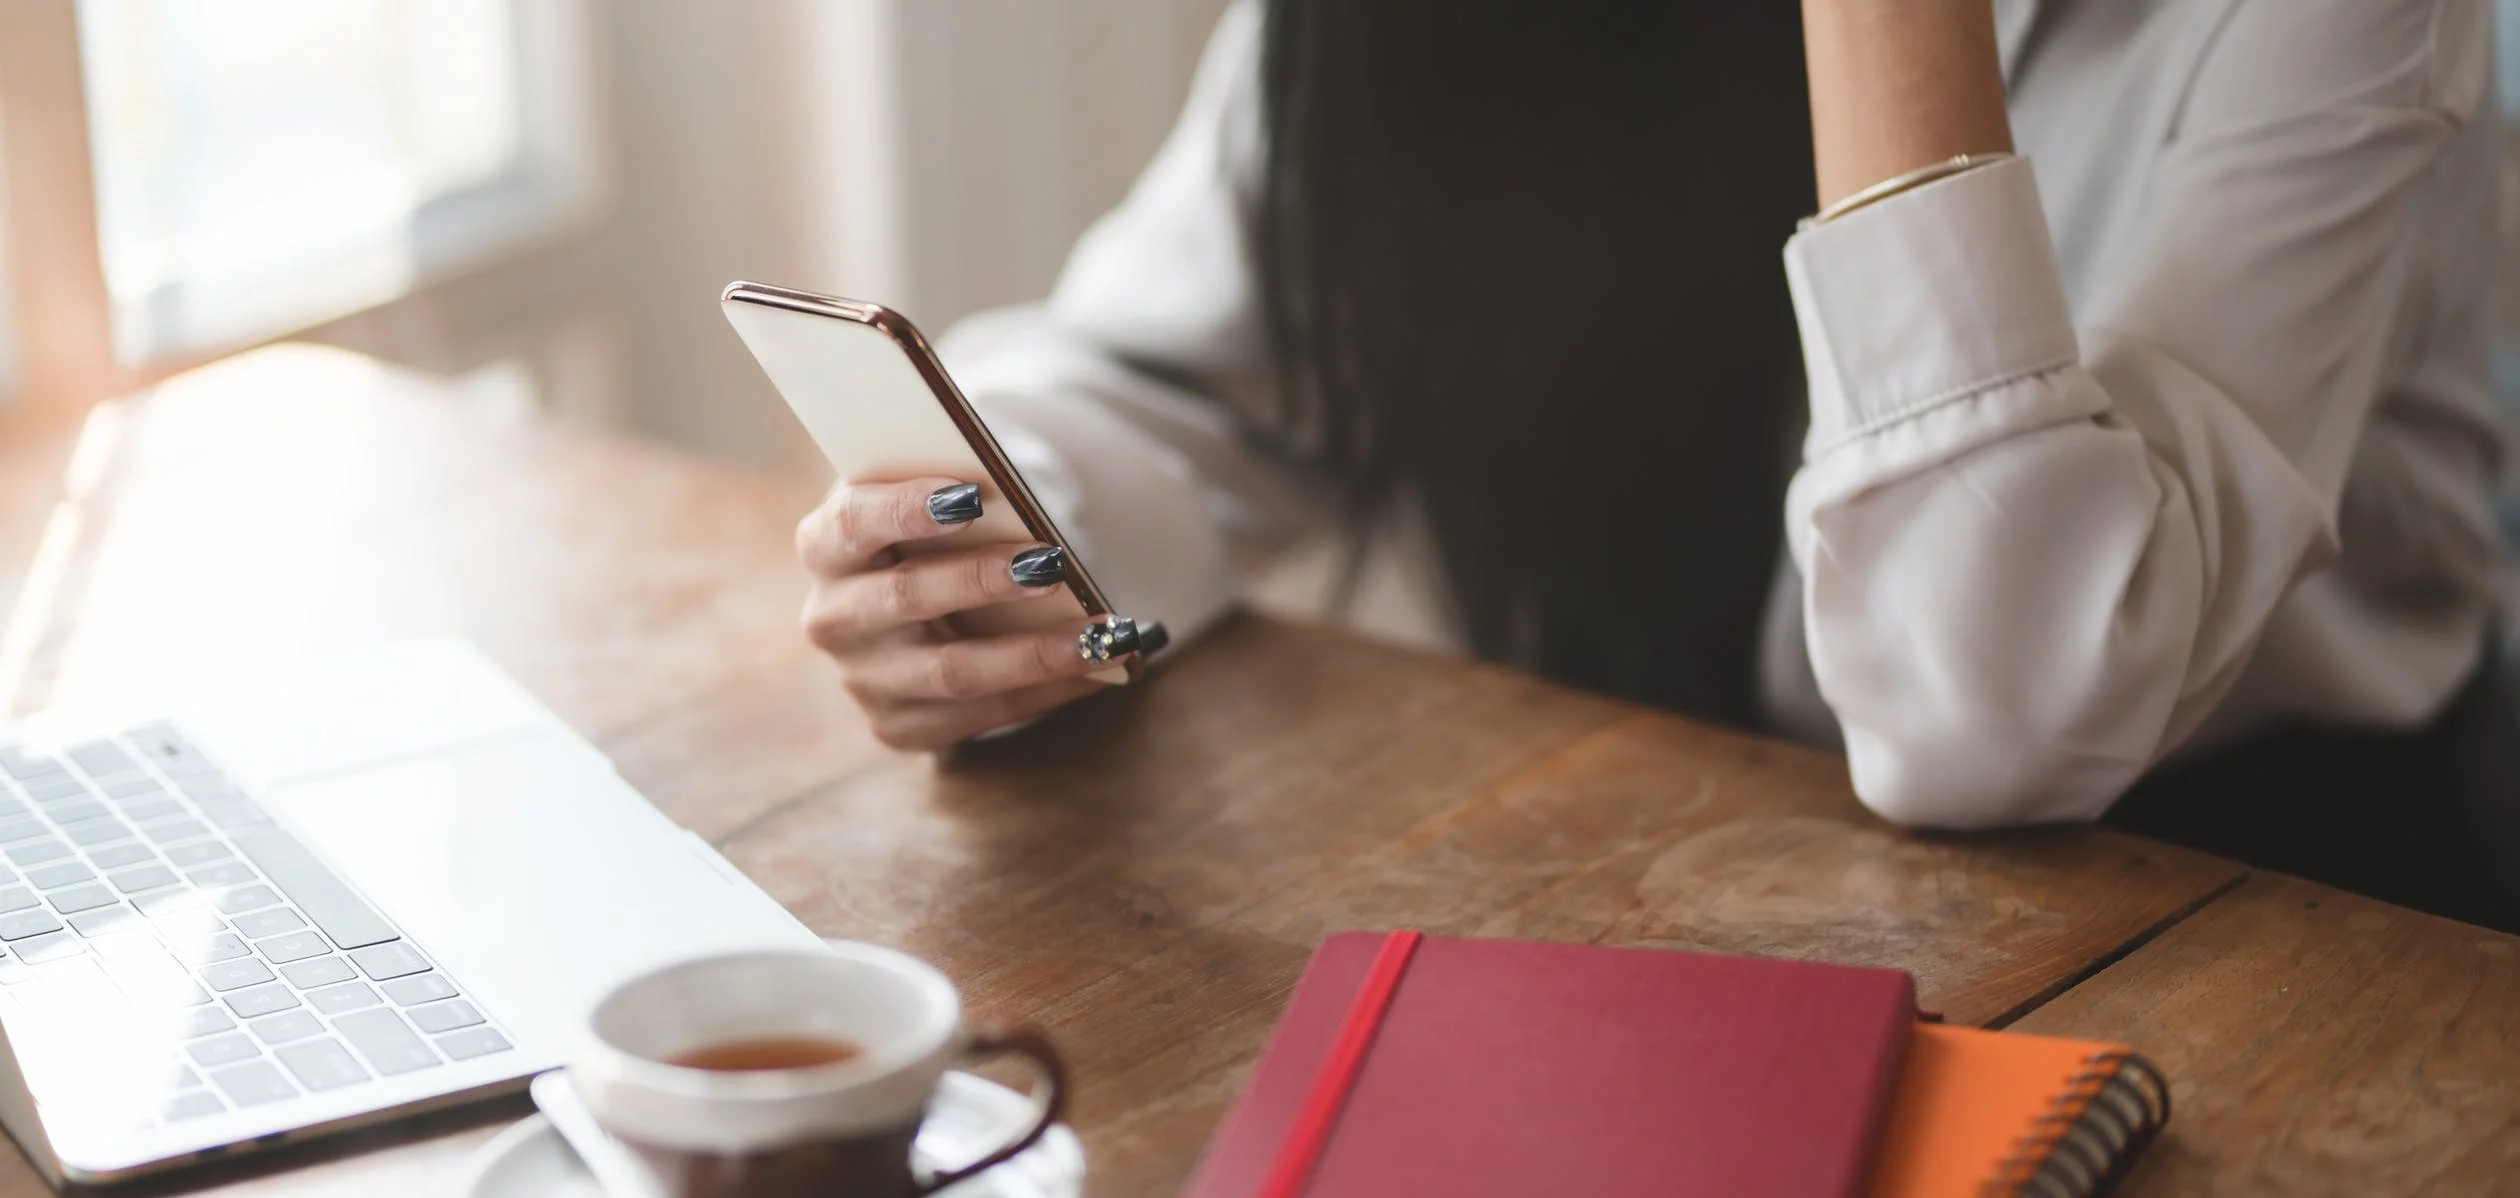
1010,481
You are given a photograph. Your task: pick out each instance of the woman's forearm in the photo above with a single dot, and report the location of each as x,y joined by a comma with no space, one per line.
1900,84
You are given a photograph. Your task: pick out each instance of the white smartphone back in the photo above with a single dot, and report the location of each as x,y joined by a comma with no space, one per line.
879,405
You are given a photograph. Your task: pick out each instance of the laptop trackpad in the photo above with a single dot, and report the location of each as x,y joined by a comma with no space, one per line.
531,872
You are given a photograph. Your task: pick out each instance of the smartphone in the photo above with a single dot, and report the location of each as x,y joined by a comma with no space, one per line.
880,406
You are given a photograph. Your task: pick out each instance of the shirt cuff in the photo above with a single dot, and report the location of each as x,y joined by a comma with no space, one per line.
1927,297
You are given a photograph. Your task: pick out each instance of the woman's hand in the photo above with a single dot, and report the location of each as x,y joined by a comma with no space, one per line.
879,614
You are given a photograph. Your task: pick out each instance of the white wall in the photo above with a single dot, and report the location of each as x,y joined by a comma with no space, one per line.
935,155
938,156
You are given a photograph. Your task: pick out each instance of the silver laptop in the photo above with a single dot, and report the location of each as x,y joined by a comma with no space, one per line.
392,883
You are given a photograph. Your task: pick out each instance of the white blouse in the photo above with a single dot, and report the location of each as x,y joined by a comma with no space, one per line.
2175,424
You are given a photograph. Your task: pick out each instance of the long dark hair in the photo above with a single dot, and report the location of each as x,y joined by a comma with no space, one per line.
1520,261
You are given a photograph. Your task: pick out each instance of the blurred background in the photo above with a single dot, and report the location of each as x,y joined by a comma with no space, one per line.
543,197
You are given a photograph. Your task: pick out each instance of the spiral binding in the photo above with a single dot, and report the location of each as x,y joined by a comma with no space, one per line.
2091,1135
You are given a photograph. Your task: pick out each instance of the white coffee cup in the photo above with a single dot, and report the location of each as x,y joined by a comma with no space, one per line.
837,1128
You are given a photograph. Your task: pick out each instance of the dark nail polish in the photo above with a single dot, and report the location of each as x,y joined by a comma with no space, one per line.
1120,638
1041,567
957,504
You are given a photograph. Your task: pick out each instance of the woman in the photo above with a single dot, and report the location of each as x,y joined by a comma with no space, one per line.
2154,487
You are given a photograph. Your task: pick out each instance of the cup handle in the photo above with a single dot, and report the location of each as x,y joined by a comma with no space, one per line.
1049,1098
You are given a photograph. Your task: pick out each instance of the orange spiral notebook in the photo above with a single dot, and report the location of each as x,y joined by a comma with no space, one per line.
1993,1113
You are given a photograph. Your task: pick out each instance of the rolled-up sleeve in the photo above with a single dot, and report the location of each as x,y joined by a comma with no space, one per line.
2037,545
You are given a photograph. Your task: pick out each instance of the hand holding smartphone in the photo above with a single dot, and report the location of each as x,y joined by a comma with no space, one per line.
948,596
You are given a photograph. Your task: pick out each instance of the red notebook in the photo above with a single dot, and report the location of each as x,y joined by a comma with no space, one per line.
1408,1065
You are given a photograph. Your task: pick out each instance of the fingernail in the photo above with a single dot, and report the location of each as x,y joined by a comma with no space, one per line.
1041,567
1121,637
957,504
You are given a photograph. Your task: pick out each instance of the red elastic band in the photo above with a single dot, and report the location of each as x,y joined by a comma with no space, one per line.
1292,1171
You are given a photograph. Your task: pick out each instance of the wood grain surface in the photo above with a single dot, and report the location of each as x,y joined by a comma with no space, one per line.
1143,875
2318,1043
1146,876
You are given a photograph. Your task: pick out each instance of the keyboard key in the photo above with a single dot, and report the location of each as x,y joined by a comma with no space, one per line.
296,946
71,813
116,856
328,902
14,971
225,1050
268,923
101,757
253,1083
54,946
146,877
165,902
232,975
211,950
189,855
479,1042
103,920
130,786
86,897
54,877
428,987
36,852
191,922
389,961
205,1021
97,831
231,814
247,898
156,990
445,1016
168,831
135,960
321,1064
54,787
25,827
321,971
131,941
333,1000
261,1000
385,1041
192,1105
23,924
226,873
145,810
285,1026
17,898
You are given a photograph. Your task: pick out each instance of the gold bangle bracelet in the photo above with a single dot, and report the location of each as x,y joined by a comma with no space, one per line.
1899,183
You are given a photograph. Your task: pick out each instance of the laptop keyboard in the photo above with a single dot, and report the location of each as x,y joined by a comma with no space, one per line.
136,869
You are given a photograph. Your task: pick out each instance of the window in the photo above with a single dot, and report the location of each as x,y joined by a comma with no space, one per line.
264,165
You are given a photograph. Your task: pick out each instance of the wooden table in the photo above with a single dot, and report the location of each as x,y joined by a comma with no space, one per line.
1145,875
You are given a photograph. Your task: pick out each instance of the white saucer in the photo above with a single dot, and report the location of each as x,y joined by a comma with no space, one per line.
971,1116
